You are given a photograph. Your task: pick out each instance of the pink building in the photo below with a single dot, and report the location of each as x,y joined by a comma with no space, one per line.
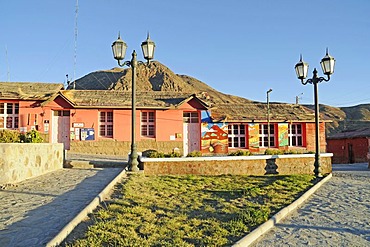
99,121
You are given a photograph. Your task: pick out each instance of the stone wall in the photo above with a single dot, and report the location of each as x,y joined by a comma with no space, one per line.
20,161
239,165
121,148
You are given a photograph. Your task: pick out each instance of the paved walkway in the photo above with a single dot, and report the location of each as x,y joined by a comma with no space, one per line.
35,210
338,214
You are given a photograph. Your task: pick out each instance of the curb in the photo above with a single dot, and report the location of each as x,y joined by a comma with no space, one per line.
58,239
265,227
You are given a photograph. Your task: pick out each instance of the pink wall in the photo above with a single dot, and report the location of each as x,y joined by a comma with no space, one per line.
30,115
122,125
89,117
169,123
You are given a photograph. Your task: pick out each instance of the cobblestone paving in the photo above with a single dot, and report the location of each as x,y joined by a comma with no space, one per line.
34,211
338,214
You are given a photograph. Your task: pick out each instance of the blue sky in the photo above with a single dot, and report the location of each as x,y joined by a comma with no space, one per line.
238,47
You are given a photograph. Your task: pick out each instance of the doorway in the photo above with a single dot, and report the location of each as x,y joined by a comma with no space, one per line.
351,156
61,128
191,130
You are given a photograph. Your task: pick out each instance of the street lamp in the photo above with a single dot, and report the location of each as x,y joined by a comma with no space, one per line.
268,117
119,50
301,68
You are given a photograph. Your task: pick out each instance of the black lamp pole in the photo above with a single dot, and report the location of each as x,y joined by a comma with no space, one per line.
119,49
268,118
327,64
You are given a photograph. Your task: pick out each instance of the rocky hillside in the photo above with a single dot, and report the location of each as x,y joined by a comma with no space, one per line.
157,77
345,118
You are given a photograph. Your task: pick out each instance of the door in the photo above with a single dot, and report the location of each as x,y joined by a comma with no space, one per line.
61,127
191,130
351,157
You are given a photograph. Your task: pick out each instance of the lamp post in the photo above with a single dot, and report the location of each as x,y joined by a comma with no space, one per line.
297,98
268,117
119,50
301,68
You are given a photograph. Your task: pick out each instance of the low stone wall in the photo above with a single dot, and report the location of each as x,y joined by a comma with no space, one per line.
20,161
122,148
237,165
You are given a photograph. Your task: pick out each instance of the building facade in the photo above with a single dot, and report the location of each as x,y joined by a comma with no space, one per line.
99,121
350,147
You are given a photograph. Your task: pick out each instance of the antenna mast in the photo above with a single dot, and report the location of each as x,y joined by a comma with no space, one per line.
7,64
75,55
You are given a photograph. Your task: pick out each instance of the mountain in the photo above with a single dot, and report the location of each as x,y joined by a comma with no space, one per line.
154,77
158,77
345,118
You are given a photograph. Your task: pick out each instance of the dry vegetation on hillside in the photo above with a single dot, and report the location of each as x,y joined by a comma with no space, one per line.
157,77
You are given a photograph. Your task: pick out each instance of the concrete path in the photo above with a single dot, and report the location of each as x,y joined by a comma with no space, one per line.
34,211
338,214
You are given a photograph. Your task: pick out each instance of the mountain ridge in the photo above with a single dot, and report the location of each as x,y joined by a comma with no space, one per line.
158,77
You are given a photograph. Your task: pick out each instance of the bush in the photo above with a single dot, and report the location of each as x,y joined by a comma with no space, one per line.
194,154
31,137
240,153
172,155
14,136
9,136
155,154
274,152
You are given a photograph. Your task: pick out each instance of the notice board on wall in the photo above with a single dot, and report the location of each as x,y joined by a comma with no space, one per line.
87,134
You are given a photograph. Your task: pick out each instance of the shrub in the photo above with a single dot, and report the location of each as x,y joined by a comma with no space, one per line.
31,137
240,153
155,154
9,136
274,152
172,155
194,154
14,136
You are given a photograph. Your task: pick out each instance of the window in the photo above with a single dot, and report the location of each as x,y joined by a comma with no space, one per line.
236,134
295,135
148,123
9,115
61,113
106,124
191,117
263,135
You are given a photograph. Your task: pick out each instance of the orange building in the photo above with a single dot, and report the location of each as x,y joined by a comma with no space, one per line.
99,121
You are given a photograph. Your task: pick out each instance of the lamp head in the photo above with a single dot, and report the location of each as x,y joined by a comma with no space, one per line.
119,48
301,69
327,64
148,47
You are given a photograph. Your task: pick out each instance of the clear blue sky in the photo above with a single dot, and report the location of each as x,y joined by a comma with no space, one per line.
238,47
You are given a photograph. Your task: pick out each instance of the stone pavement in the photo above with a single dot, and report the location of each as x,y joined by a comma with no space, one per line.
32,212
338,214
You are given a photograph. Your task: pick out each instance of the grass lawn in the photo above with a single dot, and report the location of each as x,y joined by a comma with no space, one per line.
189,210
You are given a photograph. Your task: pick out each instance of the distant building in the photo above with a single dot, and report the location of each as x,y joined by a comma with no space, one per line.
352,146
